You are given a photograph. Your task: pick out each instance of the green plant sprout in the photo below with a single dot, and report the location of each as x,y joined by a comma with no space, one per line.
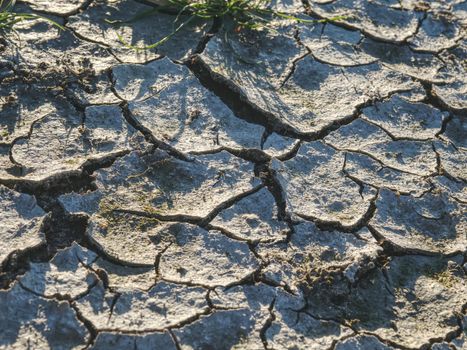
235,15
8,17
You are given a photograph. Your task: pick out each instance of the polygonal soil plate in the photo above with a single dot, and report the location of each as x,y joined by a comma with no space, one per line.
207,258
112,25
24,104
253,218
315,187
312,252
137,190
63,143
165,186
21,223
452,160
456,130
288,96
67,275
58,7
401,155
296,329
362,342
239,327
163,306
404,119
431,223
437,32
400,58
46,54
334,45
375,19
171,103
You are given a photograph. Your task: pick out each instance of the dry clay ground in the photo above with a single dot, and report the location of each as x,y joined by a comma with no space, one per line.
303,188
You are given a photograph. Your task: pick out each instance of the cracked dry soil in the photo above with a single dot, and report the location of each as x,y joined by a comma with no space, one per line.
303,188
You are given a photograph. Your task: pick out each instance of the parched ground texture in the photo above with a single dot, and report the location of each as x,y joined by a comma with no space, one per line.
299,188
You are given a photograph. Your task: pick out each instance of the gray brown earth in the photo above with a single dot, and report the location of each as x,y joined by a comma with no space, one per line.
298,188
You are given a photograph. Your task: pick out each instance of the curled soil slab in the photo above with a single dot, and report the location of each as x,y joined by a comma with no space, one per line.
22,221
59,144
170,102
296,186
67,275
281,88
